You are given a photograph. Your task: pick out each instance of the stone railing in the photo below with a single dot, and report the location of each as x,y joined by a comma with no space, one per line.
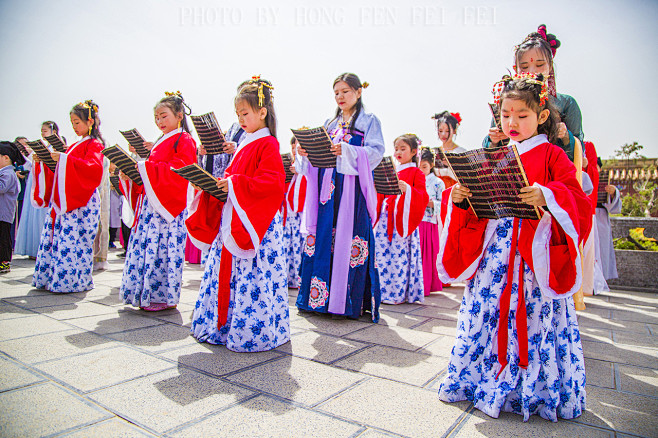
637,269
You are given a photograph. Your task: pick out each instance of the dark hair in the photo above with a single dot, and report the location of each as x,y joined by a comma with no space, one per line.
52,125
547,44
293,140
524,89
427,155
413,141
88,110
447,118
11,150
355,84
20,138
249,92
177,105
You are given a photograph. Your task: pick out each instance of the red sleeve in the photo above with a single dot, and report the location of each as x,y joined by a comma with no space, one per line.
79,173
412,203
461,242
203,220
592,171
167,191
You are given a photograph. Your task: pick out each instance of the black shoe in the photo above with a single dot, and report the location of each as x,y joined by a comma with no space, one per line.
122,255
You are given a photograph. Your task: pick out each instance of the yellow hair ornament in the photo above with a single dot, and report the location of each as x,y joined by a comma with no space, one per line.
261,82
365,84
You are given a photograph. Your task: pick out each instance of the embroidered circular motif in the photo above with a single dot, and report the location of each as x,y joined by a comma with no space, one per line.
318,293
309,246
359,252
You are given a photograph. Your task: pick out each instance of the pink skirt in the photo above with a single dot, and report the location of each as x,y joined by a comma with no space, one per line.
429,247
192,253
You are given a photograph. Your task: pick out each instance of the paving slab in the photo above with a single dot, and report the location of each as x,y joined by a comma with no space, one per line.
327,324
13,375
599,373
119,321
156,338
45,409
30,326
167,400
92,371
638,380
396,407
626,354
268,417
112,428
75,310
9,311
398,337
399,365
298,380
320,347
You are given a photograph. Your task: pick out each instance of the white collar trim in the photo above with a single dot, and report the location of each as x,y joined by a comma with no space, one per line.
530,143
405,166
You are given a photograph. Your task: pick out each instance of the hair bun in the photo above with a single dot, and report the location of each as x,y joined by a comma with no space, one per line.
365,84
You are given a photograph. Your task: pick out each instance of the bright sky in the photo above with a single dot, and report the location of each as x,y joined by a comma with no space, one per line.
420,57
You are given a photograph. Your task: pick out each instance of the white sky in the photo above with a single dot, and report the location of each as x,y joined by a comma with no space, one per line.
420,57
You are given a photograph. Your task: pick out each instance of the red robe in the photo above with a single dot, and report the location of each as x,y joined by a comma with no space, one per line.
256,181
166,191
548,245
78,174
406,211
592,171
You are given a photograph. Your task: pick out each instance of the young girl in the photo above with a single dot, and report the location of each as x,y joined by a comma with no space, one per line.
535,55
293,207
243,299
154,263
397,237
429,228
518,346
9,190
338,267
65,258
446,128
33,216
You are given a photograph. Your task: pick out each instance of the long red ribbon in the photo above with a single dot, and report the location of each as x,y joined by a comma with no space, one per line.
224,287
521,316
391,213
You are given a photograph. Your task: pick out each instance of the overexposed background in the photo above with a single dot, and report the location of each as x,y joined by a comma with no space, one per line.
420,57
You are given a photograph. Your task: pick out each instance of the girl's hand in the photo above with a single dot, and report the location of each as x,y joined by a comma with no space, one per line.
20,175
337,149
201,150
585,162
148,145
301,151
293,170
459,193
123,176
36,159
533,196
563,133
430,204
403,186
222,185
229,147
55,156
610,190
496,136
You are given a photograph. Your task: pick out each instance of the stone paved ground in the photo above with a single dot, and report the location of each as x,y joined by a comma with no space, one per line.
87,365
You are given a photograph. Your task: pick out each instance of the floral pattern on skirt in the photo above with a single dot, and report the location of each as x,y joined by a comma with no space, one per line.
154,263
258,314
293,242
66,255
553,385
399,263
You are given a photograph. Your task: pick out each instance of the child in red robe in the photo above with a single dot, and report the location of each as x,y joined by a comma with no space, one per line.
397,239
153,270
518,346
243,299
66,256
293,206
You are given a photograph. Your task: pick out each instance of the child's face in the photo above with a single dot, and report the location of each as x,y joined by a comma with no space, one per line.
80,127
294,148
533,61
444,132
166,120
346,97
520,122
249,119
403,152
425,167
5,160
46,131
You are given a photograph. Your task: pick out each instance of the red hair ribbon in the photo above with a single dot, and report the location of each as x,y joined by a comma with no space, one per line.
457,116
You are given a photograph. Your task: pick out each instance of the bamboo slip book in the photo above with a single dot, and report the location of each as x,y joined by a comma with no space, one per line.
287,164
43,153
56,142
124,162
604,180
495,177
199,177
116,184
136,140
317,143
386,178
21,148
210,134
